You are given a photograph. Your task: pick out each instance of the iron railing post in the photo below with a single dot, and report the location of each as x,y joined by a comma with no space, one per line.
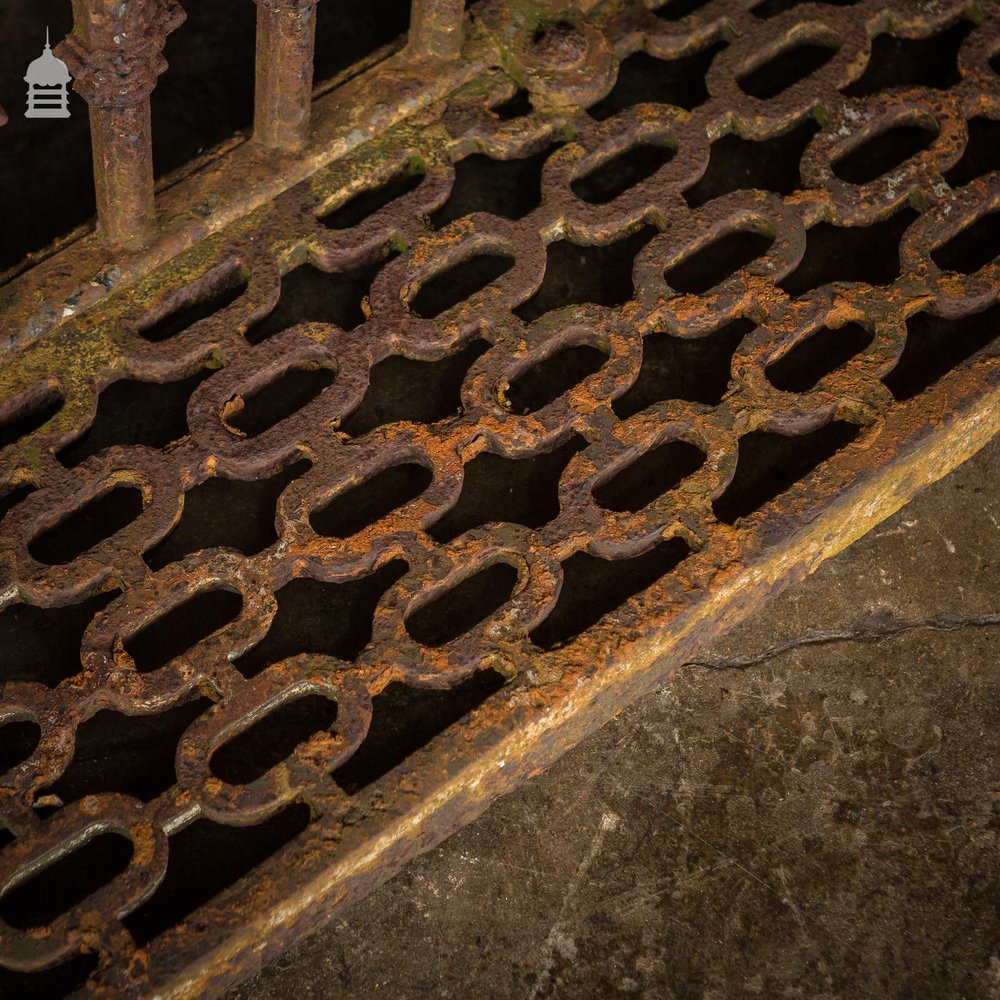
436,28
286,41
115,56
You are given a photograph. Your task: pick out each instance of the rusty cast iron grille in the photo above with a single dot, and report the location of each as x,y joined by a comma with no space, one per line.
366,504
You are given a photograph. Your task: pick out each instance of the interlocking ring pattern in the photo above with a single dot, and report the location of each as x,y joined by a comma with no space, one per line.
407,314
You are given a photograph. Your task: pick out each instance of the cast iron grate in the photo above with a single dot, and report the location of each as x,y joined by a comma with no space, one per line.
365,508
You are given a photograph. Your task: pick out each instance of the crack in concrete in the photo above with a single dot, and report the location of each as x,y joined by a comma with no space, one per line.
871,629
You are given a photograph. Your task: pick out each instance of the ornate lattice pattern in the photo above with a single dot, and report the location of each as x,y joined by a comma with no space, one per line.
600,242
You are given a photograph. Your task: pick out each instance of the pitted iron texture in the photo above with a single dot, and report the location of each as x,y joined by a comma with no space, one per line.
586,297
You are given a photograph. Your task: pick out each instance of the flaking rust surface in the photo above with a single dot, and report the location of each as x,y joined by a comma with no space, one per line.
554,692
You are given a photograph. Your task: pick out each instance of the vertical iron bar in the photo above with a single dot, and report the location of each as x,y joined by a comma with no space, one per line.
436,28
286,42
115,56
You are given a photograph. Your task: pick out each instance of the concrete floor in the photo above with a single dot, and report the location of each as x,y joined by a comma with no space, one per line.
813,810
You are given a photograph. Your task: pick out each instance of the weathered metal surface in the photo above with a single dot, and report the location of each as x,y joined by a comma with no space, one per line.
115,56
880,408
286,36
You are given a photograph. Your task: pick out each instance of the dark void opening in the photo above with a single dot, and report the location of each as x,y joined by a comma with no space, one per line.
219,289
770,463
226,512
50,984
131,412
522,491
458,283
182,627
511,188
371,500
59,886
403,388
822,352
577,274
649,476
546,381
279,399
463,606
332,619
712,264
883,152
692,368
643,78
788,67
405,719
971,248
18,740
133,755
369,200
593,588
95,521
273,739
31,410
42,645
206,858
934,346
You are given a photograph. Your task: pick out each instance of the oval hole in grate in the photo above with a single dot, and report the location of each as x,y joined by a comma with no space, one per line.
42,645
593,587
982,152
131,412
251,754
92,523
931,61
790,66
405,719
370,200
822,352
212,294
66,881
771,463
574,274
546,381
622,171
518,490
205,858
934,346
50,984
331,619
31,410
401,388
230,513
649,476
130,754
675,10
644,79
511,188
736,164
18,740
181,627
712,264
881,153
516,106
370,501
972,248
278,400
463,606
850,253
771,8
12,498
691,368
458,283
